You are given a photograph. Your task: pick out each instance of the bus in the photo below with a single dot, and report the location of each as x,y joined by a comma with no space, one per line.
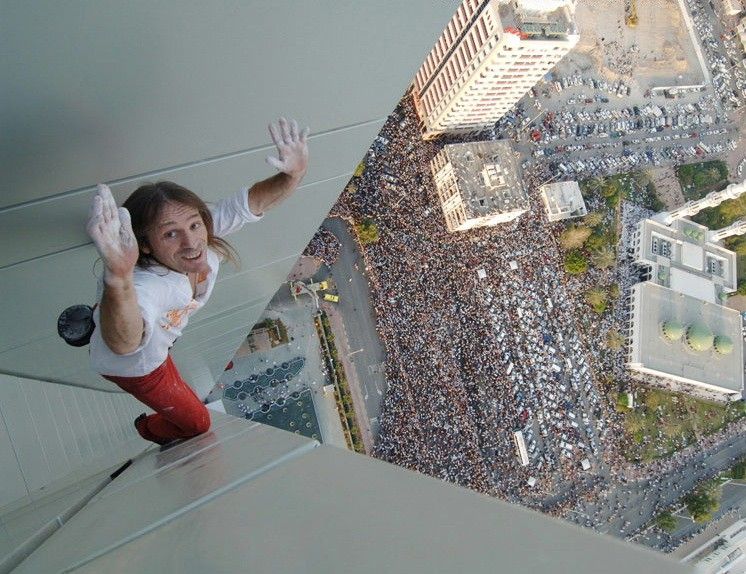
520,448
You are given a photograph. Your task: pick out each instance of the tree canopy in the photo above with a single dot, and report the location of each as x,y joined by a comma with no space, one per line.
594,219
614,339
575,262
666,521
703,501
603,258
574,237
596,298
739,470
367,231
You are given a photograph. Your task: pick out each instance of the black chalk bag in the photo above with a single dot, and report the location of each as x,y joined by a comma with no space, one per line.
75,325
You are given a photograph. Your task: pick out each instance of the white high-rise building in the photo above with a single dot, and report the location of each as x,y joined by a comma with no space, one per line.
490,54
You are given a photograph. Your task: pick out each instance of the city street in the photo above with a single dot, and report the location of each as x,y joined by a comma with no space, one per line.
367,354
628,506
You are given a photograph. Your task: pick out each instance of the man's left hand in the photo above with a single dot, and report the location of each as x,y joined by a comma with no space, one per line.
291,147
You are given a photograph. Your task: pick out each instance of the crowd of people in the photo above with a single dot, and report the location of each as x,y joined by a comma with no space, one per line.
482,339
471,360
324,246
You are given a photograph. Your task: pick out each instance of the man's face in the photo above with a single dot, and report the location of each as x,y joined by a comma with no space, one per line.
179,239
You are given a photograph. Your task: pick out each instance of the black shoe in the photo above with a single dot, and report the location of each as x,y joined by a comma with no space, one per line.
142,417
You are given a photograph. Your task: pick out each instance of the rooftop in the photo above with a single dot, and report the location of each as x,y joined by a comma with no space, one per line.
688,338
563,199
487,177
687,261
534,22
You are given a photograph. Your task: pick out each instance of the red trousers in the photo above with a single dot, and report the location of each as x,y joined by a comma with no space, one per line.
178,411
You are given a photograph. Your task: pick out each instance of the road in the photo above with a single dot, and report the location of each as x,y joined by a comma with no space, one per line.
625,508
367,353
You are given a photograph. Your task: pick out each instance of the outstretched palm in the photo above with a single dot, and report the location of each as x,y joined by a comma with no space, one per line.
291,146
111,231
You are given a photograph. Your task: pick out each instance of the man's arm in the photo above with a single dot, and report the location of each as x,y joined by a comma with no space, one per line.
120,319
292,163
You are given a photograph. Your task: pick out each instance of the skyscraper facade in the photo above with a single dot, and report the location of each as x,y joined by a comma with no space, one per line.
490,54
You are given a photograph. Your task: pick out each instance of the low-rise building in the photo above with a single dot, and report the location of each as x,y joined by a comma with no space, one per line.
732,7
683,257
563,200
478,184
676,336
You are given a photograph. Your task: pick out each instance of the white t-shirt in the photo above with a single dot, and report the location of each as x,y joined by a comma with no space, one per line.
165,300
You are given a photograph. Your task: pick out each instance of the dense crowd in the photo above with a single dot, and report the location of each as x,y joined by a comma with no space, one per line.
481,335
324,246
471,360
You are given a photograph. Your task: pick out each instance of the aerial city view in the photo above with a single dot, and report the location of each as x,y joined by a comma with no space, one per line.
534,283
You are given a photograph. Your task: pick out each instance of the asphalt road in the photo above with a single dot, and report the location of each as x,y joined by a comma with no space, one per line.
367,353
630,506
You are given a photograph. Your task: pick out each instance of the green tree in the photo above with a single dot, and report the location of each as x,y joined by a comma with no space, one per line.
594,219
359,169
596,298
614,291
613,200
666,521
614,339
703,501
574,237
603,258
621,403
739,470
575,262
611,188
595,183
367,231
595,242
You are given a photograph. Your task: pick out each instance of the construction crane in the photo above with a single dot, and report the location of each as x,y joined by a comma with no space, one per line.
630,13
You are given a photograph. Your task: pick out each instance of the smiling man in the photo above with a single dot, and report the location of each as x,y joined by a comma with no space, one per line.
161,254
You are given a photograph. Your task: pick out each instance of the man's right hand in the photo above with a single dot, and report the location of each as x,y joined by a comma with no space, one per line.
111,231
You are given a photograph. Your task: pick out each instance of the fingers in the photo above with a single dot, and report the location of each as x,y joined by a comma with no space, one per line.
126,234
95,209
276,163
108,205
285,131
274,131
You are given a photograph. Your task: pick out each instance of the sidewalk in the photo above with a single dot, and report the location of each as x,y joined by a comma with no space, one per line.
343,347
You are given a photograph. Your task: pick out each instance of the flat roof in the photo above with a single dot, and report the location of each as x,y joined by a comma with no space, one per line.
657,304
563,197
487,177
693,285
539,21
684,245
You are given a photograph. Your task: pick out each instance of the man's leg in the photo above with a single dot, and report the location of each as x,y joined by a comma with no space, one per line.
178,411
